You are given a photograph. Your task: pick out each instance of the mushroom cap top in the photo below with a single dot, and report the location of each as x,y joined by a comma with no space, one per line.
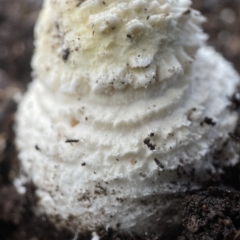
111,45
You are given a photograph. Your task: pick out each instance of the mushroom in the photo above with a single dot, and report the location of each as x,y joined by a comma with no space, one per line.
126,107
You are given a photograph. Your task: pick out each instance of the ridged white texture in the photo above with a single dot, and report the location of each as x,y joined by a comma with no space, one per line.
122,157
128,43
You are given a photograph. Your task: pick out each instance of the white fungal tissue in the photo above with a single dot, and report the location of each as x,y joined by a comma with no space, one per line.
125,109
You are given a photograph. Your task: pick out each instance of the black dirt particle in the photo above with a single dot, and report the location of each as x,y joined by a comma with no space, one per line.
65,55
119,200
118,225
142,175
129,36
187,12
57,26
83,164
235,100
208,121
146,141
37,148
99,190
158,163
152,134
151,146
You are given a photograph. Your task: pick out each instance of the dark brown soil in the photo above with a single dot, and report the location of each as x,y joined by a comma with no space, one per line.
210,214
213,214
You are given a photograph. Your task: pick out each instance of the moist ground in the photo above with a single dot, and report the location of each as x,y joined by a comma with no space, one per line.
212,213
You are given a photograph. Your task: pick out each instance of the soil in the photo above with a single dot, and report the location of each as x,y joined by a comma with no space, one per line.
212,213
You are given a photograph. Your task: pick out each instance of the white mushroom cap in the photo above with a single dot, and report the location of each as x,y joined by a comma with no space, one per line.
114,140
127,43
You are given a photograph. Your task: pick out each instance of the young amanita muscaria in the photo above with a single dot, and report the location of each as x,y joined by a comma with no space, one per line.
126,106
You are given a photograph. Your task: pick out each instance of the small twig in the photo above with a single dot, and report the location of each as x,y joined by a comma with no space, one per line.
71,141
